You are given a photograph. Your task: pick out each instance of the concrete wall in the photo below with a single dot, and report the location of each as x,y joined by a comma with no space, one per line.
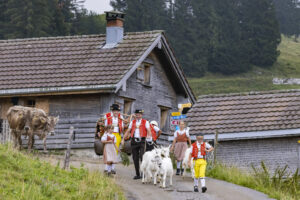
274,152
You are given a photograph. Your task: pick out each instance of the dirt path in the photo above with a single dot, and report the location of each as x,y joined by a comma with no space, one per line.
182,189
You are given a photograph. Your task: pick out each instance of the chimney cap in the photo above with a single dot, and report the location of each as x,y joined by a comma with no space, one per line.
113,15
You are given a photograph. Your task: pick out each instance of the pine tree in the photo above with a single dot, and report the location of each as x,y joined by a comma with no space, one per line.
228,53
260,30
27,18
288,15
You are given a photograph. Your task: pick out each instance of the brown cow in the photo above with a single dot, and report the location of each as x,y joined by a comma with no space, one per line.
34,121
19,122
41,125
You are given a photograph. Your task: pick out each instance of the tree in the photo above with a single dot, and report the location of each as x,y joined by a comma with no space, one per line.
27,18
229,54
260,31
288,15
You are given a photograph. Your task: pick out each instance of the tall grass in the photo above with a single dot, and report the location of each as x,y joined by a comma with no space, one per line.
25,177
279,185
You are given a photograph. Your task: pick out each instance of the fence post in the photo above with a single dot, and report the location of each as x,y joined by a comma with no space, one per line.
215,147
68,151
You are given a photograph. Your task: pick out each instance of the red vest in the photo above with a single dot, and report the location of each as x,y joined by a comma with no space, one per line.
143,130
195,150
153,133
110,138
109,121
181,138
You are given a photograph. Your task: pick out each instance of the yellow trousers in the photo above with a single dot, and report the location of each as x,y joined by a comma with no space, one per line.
118,138
199,168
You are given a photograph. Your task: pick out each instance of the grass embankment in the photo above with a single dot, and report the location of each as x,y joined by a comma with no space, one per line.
276,186
25,177
258,79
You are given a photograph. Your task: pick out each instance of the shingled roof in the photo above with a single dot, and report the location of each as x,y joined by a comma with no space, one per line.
246,112
69,61
78,63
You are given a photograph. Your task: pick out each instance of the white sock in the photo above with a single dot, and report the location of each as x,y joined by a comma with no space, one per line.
196,182
178,164
109,168
106,167
113,167
202,182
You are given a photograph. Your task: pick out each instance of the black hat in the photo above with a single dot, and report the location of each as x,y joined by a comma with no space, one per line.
115,107
139,111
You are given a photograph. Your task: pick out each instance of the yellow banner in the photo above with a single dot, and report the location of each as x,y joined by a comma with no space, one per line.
186,105
175,114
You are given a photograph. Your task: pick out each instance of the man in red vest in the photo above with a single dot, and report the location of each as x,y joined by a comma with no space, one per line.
155,132
115,119
139,130
199,150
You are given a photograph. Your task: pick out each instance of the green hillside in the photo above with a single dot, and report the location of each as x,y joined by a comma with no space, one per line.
25,177
258,79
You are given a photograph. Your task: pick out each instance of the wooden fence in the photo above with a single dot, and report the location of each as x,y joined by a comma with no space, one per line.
5,135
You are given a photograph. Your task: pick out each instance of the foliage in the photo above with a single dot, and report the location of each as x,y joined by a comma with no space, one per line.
125,159
280,185
257,79
25,177
218,35
288,15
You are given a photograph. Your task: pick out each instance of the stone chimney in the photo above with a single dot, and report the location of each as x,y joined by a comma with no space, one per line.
114,28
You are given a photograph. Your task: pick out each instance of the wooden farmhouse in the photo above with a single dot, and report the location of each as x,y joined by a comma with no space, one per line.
78,78
252,127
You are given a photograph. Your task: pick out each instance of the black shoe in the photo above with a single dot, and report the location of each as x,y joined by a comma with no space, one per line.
137,177
204,189
196,189
113,172
178,172
182,170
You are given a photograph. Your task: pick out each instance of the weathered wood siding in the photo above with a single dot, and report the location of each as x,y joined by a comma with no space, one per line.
79,111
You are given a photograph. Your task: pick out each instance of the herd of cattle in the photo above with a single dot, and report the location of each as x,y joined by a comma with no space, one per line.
29,122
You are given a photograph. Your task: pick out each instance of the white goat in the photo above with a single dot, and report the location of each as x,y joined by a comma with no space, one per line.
165,152
166,169
150,165
185,162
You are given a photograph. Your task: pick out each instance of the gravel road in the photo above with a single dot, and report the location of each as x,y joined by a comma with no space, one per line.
182,189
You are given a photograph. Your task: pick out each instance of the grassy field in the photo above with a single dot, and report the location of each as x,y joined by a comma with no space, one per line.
25,177
276,186
258,79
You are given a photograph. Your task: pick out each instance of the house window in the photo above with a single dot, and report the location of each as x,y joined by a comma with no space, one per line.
164,113
127,106
30,103
147,72
144,74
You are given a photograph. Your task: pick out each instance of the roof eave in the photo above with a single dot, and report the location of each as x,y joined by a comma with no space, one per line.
57,90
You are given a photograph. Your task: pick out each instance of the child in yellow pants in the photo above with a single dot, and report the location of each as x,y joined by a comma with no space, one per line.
199,150
199,169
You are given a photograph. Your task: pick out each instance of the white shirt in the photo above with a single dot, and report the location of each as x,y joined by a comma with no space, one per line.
115,122
104,137
137,130
207,146
186,131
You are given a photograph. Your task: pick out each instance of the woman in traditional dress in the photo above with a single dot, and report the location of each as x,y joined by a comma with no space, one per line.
110,150
179,145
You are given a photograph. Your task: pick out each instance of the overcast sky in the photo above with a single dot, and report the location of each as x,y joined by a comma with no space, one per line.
98,6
